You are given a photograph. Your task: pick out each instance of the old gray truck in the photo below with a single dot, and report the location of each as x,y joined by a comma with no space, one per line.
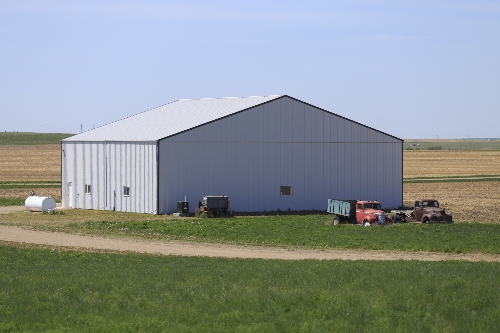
425,211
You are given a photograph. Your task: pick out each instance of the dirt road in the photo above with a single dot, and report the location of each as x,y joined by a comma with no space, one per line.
11,209
174,248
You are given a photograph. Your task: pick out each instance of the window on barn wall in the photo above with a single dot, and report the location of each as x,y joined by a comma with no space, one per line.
87,189
285,190
126,191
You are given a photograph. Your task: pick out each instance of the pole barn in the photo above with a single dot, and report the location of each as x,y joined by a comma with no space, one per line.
266,153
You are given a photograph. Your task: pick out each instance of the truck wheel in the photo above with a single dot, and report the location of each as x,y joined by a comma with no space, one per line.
425,220
366,223
336,221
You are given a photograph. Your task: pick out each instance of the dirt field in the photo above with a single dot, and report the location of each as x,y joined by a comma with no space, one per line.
470,201
450,163
23,193
30,163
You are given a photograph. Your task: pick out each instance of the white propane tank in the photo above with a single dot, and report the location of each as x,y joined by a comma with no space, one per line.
40,204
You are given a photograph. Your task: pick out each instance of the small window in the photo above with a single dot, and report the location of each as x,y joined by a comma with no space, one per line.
87,189
285,190
126,191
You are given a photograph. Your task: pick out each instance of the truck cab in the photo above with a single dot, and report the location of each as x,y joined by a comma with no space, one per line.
370,213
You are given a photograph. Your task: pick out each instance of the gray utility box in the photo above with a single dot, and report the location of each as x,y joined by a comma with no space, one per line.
182,208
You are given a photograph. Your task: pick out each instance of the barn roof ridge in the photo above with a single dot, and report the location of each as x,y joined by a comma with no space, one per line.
170,119
179,116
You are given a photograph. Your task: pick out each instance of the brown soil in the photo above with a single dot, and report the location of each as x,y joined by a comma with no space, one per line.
468,202
450,163
30,163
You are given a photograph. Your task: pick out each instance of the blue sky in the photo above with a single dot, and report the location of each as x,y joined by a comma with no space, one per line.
413,69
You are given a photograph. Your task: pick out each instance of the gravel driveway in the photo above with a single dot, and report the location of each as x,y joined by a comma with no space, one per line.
11,209
176,248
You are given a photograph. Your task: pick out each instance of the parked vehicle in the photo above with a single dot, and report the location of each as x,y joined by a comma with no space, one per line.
366,213
425,211
403,213
428,211
214,206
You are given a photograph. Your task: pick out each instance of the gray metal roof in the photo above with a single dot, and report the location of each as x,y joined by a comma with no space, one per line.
170,119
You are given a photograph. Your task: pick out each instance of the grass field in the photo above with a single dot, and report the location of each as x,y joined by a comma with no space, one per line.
11,201
446,144
30,138
99,292
290,231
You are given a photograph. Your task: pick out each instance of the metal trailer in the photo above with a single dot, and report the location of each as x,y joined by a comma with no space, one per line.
214,206
344,210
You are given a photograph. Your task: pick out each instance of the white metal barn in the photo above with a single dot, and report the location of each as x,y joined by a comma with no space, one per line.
266,153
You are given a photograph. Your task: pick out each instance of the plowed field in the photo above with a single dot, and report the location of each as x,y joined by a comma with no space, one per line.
30,163
450,163
470,201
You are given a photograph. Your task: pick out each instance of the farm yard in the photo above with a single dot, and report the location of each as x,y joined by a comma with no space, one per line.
435,278
465,181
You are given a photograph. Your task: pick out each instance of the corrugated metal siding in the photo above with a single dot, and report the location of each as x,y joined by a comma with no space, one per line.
249,155
107,167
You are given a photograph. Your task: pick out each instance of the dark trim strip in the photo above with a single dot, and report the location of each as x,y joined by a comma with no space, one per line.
158,177
275,99
402,174
352,121
62,152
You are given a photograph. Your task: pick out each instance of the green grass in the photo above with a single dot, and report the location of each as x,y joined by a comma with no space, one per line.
12,201
454,145
24,185
309,231
29,138
50,291
453,179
